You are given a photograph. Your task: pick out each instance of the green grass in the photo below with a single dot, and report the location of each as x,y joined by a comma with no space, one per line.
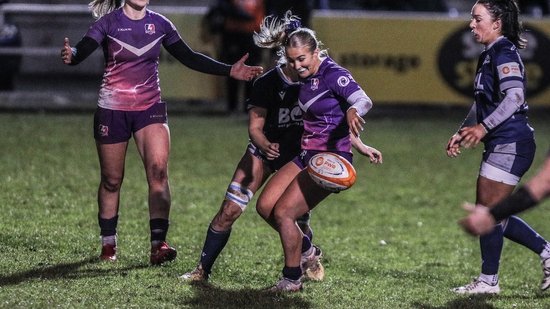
49,236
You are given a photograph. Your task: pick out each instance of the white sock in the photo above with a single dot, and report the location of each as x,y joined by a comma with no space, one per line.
108,240
489,279
545,254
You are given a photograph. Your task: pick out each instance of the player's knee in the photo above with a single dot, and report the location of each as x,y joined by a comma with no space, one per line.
158,173
263,209
111,184
239,195
230,212
282,217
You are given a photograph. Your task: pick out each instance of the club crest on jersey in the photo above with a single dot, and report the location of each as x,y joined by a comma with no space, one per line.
150,28
314,83
487,59
103,130
343,81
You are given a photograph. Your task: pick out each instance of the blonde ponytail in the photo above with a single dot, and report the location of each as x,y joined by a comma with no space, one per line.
102,7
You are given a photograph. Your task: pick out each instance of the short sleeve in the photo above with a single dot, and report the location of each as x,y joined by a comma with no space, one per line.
510,70
342,83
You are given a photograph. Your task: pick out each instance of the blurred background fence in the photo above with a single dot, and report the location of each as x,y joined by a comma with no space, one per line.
412,57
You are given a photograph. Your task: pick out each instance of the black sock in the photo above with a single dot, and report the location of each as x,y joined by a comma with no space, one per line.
292,273
159,229
213,245
107,226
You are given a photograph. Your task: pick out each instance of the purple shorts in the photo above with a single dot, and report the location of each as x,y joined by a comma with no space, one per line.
302,160
113,126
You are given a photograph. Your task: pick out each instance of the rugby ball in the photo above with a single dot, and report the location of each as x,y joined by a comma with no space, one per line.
331,171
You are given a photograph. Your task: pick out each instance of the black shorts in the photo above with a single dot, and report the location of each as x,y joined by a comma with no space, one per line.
286,155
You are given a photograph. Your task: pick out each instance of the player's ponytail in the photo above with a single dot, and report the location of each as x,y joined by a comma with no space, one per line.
274,31
102,7
508,13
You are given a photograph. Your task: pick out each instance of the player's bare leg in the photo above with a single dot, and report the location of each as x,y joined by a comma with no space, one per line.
111,162
153,143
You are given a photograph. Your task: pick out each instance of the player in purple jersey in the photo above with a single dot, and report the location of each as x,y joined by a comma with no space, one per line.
333,105
498,119
130,104
275,128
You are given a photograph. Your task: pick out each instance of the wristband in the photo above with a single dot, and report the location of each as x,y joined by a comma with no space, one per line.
485,127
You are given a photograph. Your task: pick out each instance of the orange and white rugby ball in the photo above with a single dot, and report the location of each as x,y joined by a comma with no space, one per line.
331,171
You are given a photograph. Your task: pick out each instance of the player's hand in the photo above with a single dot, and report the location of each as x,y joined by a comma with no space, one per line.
272,151
241,71
355,122
479,220
374,155
453,146
471,136
66,52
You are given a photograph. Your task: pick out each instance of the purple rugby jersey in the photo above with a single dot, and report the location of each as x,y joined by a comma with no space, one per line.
323,98
131,49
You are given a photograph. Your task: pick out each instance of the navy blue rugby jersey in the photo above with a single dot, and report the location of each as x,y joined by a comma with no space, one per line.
279,96
500,68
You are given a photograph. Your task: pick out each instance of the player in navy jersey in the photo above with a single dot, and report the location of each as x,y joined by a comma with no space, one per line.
275,128
498,118
130,104
481,220
333,105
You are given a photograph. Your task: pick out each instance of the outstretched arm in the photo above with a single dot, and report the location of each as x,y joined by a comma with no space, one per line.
75,55
202,63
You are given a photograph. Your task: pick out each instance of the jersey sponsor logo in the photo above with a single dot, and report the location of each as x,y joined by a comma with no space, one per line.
282,94
123,29
150,28
289,115
103,130
343,81
510,69
314,83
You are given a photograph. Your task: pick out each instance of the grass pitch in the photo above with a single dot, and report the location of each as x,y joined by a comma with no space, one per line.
390,242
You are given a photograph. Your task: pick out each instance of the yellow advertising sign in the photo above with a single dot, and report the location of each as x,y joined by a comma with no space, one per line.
396,59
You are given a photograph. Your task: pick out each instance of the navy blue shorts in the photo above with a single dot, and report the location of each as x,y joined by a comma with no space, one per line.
302,160
513,158
114,126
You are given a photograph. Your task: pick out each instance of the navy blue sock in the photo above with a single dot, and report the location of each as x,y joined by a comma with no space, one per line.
309,233
491,248
107,226
292,273
519,231
306,243
213,245
303,223
159,229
